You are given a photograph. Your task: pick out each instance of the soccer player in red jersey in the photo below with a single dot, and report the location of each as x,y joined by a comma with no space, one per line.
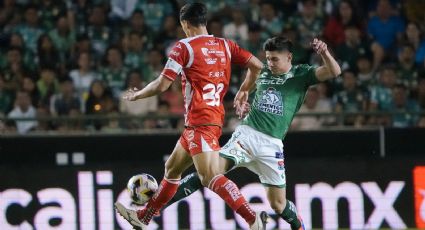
204,64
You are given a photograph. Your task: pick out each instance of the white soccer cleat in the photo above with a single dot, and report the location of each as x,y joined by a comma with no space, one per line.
260,221
130,216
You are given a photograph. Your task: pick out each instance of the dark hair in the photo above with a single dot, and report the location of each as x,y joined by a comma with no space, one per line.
349,71
400,86
278,44
138,11
15,48
194,13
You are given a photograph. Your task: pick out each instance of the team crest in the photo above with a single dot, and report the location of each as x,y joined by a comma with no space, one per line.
271,102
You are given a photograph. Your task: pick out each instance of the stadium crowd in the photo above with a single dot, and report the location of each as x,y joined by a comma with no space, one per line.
73,58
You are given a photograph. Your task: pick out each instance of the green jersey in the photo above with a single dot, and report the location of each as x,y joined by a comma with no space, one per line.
278,98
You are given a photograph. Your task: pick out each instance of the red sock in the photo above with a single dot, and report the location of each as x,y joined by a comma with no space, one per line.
230,193
166,191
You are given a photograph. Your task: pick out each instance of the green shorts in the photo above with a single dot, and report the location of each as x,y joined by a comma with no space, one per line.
260,153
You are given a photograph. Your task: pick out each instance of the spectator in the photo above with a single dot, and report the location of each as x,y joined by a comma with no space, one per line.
414,12
163,110
310,106
5,98
385,28
66,100
114,72
135,54
154,65
49,11
30,29
79,12
98,102
215,27
23,109
344,14
138,25
351,100
237,29
413,36
7,11
42,112
47,85
63,37
27,56
47,53
28,85
168,33
307,23
299,53
287,8
404,108
381,95
354,46
140,107
83,45
83,76
407,69
324,97
269,20
15,70
155,11
365,72
121,10
98,92
98,32
253,44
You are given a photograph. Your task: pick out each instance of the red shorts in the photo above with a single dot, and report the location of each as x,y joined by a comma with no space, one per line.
201,139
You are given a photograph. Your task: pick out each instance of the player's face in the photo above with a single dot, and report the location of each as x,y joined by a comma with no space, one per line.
278,61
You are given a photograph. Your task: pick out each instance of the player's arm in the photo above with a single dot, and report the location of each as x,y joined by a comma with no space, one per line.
330,69
254,68
157,86
173,68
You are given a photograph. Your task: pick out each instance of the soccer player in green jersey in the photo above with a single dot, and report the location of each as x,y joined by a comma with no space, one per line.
257,143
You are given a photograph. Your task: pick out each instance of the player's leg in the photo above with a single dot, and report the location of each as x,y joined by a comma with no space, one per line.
203,144
174,167
283,207
207,167
176,164
191,183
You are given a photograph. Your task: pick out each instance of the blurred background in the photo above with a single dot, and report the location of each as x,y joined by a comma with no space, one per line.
69,143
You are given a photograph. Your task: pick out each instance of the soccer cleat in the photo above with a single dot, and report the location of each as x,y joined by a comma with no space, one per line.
130,216
260,221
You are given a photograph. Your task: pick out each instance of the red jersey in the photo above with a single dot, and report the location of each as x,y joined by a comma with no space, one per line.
204,63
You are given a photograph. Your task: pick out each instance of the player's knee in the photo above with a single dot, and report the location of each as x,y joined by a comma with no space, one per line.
278,204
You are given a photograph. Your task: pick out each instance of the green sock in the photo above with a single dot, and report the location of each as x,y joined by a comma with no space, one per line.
289,214
188,185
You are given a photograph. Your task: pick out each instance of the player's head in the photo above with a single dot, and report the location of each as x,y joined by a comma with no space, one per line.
193,15
278,54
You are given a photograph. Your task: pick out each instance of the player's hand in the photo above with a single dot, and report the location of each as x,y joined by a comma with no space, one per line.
130,94
244,110
319,46
240,103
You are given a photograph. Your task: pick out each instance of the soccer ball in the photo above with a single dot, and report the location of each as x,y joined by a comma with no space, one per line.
141,188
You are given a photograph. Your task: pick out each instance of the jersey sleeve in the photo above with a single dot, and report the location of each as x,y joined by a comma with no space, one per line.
309,74
240,56
177,59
